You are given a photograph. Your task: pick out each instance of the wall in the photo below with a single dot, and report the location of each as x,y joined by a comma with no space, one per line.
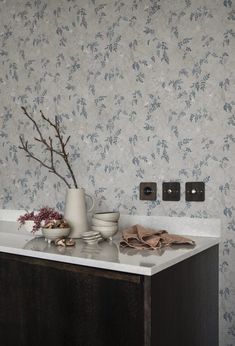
145,89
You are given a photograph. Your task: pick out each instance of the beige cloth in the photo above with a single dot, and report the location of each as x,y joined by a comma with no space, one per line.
138,237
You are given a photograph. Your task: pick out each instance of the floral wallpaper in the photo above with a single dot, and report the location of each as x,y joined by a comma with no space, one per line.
145,89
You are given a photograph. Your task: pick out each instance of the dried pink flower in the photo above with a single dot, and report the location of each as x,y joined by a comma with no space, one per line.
44,214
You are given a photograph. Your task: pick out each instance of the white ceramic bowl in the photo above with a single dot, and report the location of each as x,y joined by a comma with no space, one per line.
98,222
93,241
27,227
90,234
55,233
106,232
109,216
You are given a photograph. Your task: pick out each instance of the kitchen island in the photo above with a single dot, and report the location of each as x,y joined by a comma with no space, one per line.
105,295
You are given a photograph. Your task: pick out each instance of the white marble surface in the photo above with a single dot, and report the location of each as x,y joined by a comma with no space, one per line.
108,255
177,225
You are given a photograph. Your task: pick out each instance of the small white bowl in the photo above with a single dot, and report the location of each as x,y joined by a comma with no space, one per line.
104,228
55,233
90,234
106,232
109,216
98,222
27,227
93,241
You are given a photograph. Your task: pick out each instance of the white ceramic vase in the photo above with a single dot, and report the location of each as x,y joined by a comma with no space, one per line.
76,211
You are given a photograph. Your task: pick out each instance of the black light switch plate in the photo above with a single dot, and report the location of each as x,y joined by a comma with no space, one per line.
148,191
171,191
195,191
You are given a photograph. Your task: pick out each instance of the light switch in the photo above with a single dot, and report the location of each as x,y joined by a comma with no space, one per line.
171,191
148,191
195,191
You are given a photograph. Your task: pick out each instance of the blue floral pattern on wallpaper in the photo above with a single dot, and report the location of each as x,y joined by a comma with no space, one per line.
145,89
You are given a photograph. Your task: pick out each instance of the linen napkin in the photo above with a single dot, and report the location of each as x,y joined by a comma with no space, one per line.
139,237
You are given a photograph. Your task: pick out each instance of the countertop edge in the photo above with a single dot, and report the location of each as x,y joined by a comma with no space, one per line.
126,268
216,241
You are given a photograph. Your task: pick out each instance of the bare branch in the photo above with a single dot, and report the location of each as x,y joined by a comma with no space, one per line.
51,168
63,154
36,126
49,146
67,141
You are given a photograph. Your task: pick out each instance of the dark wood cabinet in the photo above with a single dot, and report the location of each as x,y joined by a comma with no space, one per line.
50,303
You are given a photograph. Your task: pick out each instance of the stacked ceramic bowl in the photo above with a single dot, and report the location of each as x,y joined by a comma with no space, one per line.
105,223
91,237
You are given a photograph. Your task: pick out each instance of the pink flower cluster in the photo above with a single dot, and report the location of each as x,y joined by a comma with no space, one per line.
45,215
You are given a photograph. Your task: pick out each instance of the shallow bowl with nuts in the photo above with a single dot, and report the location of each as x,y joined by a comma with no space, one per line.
55,229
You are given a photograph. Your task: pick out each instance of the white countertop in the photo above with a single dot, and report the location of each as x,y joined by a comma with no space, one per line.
108,255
